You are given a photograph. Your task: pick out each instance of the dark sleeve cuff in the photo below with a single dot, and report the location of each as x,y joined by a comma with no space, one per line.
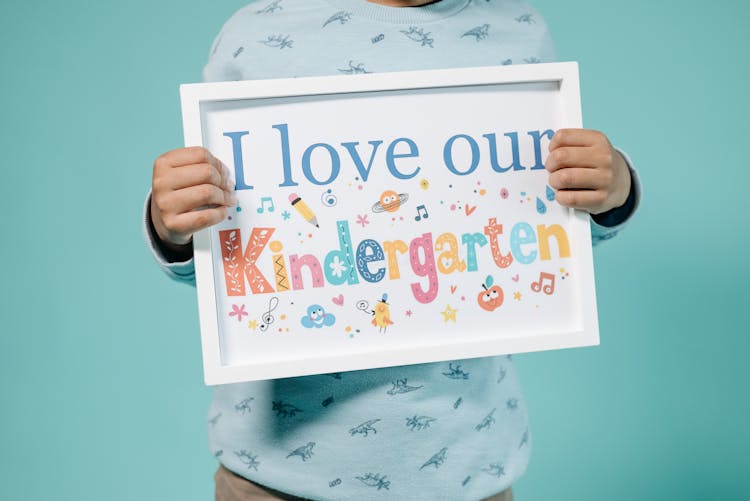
618,215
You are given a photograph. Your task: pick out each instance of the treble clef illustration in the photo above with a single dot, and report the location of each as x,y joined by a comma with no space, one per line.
268,319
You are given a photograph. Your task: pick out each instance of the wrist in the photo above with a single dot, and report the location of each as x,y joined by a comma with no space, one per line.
172,252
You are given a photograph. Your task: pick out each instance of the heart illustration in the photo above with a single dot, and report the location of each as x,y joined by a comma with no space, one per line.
338,300
469,209
453,288
515,279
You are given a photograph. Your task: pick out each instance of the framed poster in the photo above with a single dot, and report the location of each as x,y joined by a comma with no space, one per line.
388,219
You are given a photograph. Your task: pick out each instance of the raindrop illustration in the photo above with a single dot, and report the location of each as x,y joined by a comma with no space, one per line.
550,194
540,207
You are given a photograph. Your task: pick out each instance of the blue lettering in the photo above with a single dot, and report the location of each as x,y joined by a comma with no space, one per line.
521,234
391,156
239,168
285,157
364,172
335,163
448,154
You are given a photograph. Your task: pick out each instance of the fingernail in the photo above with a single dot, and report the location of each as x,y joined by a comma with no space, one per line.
233,200
229,184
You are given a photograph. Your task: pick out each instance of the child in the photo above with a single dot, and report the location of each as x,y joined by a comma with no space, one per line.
429,436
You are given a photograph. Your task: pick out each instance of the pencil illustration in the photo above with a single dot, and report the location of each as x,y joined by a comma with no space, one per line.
303,209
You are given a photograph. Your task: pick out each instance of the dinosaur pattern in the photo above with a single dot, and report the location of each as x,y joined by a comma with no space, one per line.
357,435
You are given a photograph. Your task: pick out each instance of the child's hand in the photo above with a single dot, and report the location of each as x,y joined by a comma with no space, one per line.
190,190
587,172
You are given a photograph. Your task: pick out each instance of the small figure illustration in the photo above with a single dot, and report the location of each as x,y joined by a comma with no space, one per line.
382,314
495,469
354,69
317,318
283,409
501,375
437,459
524,438
277,41
364,428
243,407
417,423
526,18
305,452
491,298
455,372
250,460
400,386
419,35
390,201
270,8
214,419
374,480
488,421
341,16
479,33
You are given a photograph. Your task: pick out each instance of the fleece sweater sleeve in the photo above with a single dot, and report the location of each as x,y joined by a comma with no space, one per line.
181,271
608,224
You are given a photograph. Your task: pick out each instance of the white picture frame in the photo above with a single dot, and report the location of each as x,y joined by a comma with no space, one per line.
552,98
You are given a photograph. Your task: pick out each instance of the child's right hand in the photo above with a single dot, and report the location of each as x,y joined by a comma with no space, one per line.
190,190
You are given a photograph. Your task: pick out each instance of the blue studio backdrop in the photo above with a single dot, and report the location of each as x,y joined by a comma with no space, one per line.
100,363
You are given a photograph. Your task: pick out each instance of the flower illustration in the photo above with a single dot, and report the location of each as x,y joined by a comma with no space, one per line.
239,311
338,267
362,220
424,184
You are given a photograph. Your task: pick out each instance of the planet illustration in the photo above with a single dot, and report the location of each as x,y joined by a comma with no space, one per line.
390,201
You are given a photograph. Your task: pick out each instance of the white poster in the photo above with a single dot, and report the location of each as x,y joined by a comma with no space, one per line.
389,219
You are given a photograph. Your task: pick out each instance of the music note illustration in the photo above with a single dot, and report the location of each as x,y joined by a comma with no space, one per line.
540,286
266,204
421,213
364,305
268,319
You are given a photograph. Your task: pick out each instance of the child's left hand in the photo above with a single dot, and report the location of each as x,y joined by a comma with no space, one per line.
586,171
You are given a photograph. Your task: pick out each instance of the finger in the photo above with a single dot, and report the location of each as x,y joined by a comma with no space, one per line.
575,137
184,156
573,178
588,200
578,157
193,197
190,222
197,174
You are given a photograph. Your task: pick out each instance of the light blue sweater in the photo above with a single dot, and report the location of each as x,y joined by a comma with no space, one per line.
454,430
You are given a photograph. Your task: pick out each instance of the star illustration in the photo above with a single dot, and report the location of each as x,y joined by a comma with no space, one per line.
449,314
408,313
517,296
253,324
286,215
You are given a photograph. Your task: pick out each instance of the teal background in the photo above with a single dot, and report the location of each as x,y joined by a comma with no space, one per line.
100,365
